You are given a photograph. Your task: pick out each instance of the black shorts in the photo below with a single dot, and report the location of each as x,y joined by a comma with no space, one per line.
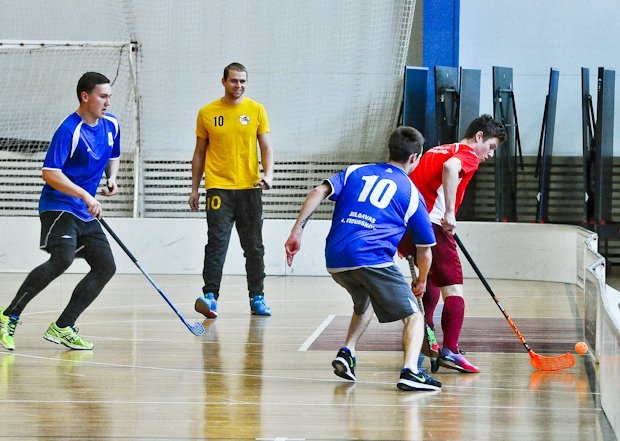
60,228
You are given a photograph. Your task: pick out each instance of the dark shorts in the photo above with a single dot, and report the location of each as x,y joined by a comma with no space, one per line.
446,268
59,228
386,288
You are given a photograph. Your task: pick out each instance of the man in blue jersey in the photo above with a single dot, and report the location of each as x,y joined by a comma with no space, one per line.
375,205
85,145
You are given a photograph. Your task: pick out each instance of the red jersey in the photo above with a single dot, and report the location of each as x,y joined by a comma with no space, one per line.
427,176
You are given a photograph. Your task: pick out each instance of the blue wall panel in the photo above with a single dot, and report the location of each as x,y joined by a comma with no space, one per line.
440,47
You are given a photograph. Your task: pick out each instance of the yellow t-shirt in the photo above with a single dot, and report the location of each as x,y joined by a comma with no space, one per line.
231,161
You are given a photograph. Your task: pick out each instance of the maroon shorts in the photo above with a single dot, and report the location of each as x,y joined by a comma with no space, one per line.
446,268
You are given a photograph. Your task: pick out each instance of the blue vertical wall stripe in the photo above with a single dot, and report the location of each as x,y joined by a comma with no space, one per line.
440,47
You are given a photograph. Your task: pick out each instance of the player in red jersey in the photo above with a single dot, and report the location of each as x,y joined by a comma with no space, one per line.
442,177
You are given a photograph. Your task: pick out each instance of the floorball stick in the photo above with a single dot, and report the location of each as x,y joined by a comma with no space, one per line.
196,328
429,345
541,362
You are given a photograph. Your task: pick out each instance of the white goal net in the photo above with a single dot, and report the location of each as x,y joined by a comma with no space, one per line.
38,91
329,74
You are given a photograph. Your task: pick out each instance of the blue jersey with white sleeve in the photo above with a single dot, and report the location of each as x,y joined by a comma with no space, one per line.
375,204
81,152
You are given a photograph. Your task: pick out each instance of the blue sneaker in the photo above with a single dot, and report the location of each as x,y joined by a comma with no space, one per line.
258,306
207,305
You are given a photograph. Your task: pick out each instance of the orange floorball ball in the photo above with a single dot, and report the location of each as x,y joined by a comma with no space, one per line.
581,347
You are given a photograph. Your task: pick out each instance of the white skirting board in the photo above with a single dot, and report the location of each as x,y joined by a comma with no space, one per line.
176,246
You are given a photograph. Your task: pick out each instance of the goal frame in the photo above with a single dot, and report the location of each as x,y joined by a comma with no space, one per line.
132,63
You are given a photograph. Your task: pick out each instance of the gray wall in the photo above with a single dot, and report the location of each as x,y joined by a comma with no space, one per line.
532,36
184,46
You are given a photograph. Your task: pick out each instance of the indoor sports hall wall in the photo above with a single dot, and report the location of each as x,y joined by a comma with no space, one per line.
176,246
330,74
532,36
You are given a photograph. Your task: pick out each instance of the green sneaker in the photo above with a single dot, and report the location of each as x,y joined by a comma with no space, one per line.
432,340
67,336
7,330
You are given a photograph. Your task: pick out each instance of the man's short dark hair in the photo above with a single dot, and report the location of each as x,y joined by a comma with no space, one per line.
490,128
234,66
88,82
404,141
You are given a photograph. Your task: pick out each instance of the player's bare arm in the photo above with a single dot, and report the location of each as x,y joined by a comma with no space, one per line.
111,171
424,258
266,157
450,180
59,181
313,200
198,169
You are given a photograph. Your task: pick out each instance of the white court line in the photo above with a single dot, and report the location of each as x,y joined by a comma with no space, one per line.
446,389
316,333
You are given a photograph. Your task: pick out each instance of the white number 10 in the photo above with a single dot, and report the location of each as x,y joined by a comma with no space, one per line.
379,193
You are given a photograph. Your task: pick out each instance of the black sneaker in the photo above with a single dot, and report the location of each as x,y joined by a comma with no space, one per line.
420,381
344,364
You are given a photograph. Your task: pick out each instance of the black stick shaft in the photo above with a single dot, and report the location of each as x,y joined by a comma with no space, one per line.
490,291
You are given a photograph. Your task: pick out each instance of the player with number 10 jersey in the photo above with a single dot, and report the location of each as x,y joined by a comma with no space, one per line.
376,204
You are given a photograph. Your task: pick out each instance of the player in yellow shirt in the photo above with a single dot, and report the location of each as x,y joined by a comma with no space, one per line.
229,133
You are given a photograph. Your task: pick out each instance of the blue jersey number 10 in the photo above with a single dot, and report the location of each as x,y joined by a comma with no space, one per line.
379,193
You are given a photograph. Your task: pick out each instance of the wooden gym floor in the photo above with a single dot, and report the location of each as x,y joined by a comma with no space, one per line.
256,378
